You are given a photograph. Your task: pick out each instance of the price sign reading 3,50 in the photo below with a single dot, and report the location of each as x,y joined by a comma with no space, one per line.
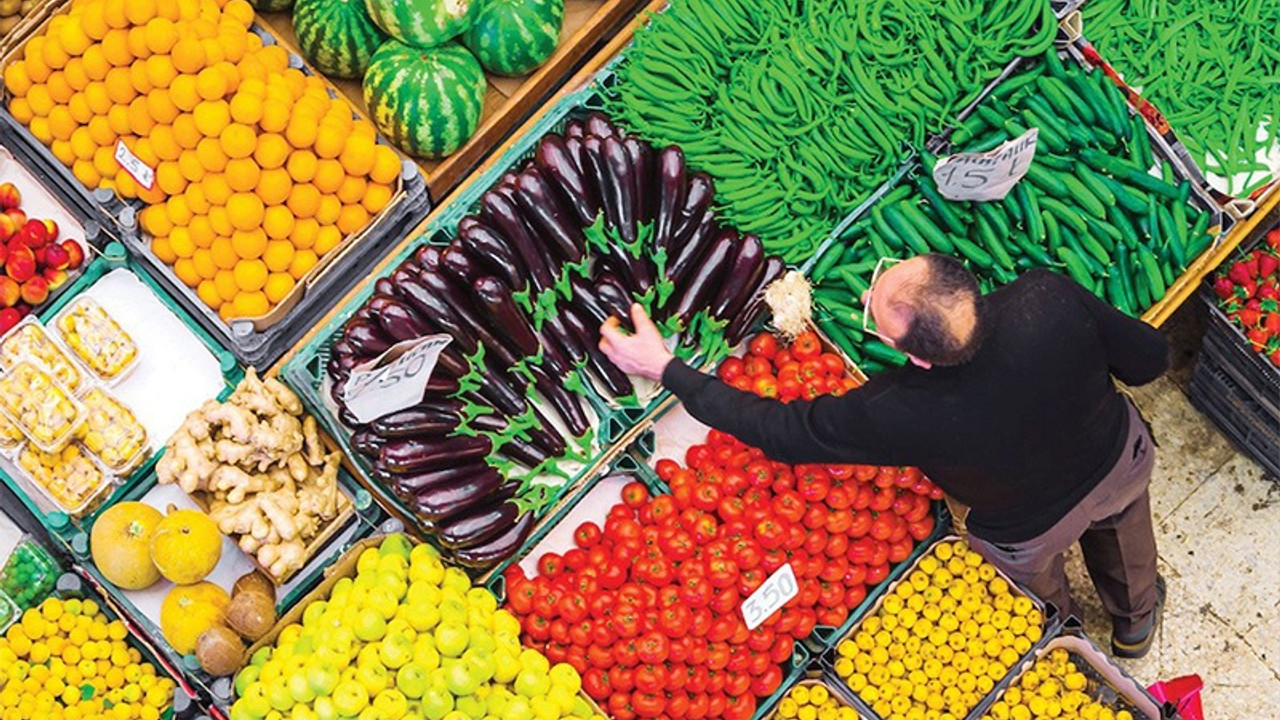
771,595
989,175
394,380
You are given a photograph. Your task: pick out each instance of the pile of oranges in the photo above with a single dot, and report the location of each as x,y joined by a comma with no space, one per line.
258,171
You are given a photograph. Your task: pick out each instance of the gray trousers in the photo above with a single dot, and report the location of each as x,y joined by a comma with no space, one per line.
1113,525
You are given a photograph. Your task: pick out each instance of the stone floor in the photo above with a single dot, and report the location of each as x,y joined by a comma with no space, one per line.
1217,517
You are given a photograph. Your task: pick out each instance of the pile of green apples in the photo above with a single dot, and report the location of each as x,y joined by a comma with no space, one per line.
410,639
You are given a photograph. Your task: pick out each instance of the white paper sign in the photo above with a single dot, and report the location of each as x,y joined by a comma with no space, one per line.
771,595
395,379
989,175
132,164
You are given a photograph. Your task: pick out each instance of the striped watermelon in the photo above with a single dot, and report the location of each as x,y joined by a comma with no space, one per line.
512,37
422,23
337,36
271,5
425,101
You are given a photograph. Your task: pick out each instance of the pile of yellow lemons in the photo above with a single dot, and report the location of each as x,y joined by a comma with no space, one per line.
940,640
1053,688
813,702
258,172
64,661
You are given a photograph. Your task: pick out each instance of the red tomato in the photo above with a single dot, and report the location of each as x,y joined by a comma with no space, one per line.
765,386
731,368
812,369
620,707
767,682
634,494
666,469
741,383
587,534
550,565
901,550
782,357
596,682
877,573
756,366
763,345
833,364
806,346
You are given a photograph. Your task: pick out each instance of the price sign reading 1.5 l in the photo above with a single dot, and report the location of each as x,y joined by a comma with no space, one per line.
771,595
395,379
989,175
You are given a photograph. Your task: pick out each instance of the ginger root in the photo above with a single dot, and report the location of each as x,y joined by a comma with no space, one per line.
263,467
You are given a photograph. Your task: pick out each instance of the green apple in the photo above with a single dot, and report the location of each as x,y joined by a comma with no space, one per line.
401,626
425,653
426,567
473,707
453,608
460,678
436,702
534,660
246,677
411,679
421,616
371,713
394,580
382,600
544,708
368,561
370,625
480,662
563,675
325,709
506,665
368,655
396,544
270,670
350,697
279,695
457,579
348,673
395,650
421,591
312,616
303,712
451,638
482,598
305,645
255,700
504,623
340,590
499,698
562,697
531,683
518,709
322,676
300,688
374,678
482,639
391,703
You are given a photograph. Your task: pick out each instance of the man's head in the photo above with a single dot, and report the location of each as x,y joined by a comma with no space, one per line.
927,307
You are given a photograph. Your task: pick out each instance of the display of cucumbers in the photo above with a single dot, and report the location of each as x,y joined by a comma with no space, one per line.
1091,206
595,220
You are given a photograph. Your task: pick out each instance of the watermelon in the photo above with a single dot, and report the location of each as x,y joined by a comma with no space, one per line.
422,23
271,5
426,101
337,36
512,37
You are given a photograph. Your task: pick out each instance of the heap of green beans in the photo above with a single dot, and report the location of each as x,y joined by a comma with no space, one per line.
1211,66
1088,207
799,109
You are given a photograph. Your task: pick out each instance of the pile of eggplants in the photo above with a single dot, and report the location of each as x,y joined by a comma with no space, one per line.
529,239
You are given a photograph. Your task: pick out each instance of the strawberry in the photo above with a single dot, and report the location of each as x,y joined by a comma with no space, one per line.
1239,273
1275,357
1250,317
1273,239
1223,287
1267,264
1258,338
1271,323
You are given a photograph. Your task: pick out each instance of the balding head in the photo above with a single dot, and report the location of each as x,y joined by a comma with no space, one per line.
927,307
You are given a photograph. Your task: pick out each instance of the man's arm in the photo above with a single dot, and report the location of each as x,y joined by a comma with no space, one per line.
1136,352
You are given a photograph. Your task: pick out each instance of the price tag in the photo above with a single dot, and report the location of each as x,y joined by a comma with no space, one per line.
395,379
989,175
773,594
132,164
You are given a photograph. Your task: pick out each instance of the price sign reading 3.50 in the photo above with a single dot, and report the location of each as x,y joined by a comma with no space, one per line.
771,595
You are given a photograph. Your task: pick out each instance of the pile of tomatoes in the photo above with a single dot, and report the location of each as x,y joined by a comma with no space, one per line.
799,371
648,608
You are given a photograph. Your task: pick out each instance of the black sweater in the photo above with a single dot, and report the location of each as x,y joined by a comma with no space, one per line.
1021,433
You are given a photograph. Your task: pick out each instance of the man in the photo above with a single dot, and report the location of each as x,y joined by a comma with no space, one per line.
1008,405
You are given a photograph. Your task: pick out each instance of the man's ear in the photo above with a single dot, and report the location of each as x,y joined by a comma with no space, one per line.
925,364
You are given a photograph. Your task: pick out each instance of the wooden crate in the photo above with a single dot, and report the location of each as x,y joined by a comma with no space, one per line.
507,101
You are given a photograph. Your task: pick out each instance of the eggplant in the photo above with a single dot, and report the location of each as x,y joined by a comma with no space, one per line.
429,303
560,165
384,286
697,200
409,484
499,548
350,420
479,525
427,257
619,186
670,195
555,224
615,381
342,356
555,333
502,213
400,321
744,272
458,266
700,284
595,170
574,129
492,252
613,296
754,306
599,125
411,454
422,420
405,272
463,308
525,452
564,402
641,156
366,338
495,297
585,300
440,384
367,443
441,501
692,255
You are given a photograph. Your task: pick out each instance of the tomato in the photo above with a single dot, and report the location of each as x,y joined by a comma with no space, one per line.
706,497
832,617
832,363
921,529
626,622
731,368
838,522
612,576
697,455
901,550
741,383
815,541
864,496
782,357
698,705
575,559
765,386
763,345
860,550
520,596
882,499
837,546
651,679
805,347
715,705
620,706
587,534
572,607
537,627
653,647
740,706
756,366
811,370
789,388
877,573
790,507
677,706
550,565
621,529
596,682
634,494
840,497
722,572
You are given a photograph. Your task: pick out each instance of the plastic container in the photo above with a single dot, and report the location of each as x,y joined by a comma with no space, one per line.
9,611
40,406
112,432
1244,420
96,339
10,436
70,477
29,574
29,340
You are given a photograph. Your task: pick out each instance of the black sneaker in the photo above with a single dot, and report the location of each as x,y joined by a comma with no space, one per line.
1139,643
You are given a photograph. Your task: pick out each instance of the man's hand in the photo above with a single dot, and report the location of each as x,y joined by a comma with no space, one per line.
643,354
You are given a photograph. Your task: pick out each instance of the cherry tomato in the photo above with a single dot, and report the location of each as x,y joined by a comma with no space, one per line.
634,494
550,565
666,469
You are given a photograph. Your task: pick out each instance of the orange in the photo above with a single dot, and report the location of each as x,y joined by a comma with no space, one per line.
190,167
169,178
21,110
73,38
246,211
211,117
246,107
304,233
274,187
119,87
142,148
211,84
278,255
207,291
138,77
202,260
275,115
164,144
140,12
188,9
251,275
224,256
213,51
160,248
201,231
16,78
278,223
274,57
240,11
235,43
61,124
218,192
104,161
155,221
161,108
84,171
80,109
328,239
118,117
304,200
186,132
59,89
40,101
249,244
329,140
40,129
140,122
211,156
162,35
183,93
101,132
125,184
238,140
251,304
196,199
303,261
160,72
188,56
61,150
82,143
53,53
272,151
95,62
230,74
177,211
278,286
329,210
243,174
386,165
352,190
329,176
225,283
302,166
376,198
186,272
77,77
358,156
180,241
95,94
94,23
115,48
138,43
301,132
249,67
352,219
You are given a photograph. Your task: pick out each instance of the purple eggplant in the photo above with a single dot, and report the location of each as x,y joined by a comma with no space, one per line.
366,338
574,129
692,255
436,418
479,525
464,309
384,286
671,188
744,271
619,187
409,484
427,257
754,307
525,452
555,333
400,321
613,296
700,284
458,266
599,125
492,252
547,214
441,501
411,455
503,215
615,381
565,403
697,201
350,420
642,184
585,300
560,166
499,548
367,443
496,299
429,304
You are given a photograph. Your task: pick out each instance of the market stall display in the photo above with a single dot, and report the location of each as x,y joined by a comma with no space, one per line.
1249,296
29,573
813,700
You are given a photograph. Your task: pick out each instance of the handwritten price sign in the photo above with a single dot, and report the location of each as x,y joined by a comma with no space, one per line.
132,164
773,594
395,379
989,175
